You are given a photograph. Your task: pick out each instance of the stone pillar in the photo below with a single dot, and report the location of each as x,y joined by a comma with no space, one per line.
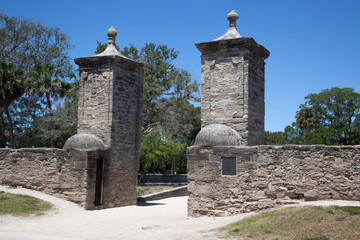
232,83
110,107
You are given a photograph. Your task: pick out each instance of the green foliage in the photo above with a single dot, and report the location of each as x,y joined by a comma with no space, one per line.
160,152
102,46
41,54
3,126
274,138
46,82
12,87
157,80
131,52
331,117
64,123
169,93
16,204
27,43
309,222
307,119
179,114
352,210
338,110
318,238
139,192
168,108
11,84
293,135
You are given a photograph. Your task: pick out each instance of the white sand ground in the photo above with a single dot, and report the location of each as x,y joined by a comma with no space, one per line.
162,219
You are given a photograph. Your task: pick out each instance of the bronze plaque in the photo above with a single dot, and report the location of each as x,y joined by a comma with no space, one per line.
228,166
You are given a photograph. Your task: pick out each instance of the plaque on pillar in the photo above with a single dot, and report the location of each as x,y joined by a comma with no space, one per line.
228,166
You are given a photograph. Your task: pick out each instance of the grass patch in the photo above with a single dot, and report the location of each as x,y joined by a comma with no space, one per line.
140,192
303,223
22,205
318,238
351,210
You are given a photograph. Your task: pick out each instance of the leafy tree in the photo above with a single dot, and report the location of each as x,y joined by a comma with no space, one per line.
102,46
3,125
274,138
11,87
170,120
29,45
66,122
161,153
131,52
356,127
62,125
331,117
307,119
293,135
338,112
26,111
46,83
157,79
180,115
37,127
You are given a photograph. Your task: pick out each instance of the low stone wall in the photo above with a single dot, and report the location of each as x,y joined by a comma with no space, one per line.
69,174
267,176
163,178
174,192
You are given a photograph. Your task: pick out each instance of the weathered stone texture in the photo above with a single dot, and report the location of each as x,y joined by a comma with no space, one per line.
110,107
66,174
267,176
109,123
232,86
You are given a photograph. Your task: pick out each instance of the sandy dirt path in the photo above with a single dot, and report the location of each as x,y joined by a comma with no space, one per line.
162,219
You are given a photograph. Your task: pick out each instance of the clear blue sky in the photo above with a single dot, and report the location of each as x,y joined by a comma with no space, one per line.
314,44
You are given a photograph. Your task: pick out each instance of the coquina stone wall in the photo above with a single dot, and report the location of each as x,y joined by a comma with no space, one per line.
69,174
110,107
122,170
232,86
99,168
268,176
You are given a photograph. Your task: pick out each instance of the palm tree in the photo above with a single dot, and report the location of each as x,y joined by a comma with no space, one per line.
11,87
46,83
307,118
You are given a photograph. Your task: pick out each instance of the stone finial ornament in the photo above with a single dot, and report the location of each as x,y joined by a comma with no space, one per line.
232,32
111,33
111,49
232,17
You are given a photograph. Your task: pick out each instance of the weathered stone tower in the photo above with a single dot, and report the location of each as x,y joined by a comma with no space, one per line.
110,107
232,83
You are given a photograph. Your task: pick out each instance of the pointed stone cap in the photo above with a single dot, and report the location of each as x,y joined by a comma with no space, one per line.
109,56
111,49
230,41
231,33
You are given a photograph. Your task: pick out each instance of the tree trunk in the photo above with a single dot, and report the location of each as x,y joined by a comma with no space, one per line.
308,136
173,166
51,120
11,131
